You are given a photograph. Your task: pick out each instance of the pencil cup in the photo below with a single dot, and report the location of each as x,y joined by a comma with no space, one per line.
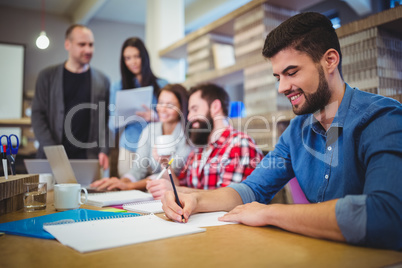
68,196
35,194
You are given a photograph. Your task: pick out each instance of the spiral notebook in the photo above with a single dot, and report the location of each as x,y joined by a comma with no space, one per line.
121,230
152,206
33,227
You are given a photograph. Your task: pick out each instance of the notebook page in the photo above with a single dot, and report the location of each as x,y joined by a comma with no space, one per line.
101,234
153,206
117,198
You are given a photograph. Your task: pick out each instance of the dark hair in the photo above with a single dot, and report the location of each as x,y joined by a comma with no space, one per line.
308,32
211,92
127,77
71,28
181,94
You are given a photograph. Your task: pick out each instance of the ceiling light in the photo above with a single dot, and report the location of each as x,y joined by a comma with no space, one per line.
42,42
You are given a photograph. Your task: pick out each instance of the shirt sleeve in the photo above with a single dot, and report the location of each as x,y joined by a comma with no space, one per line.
180,157
40,110
241,159
245,192
142,157
185,173
351,211
112,104
273,172
374,218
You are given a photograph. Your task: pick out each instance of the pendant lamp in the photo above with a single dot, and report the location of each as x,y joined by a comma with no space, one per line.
42,42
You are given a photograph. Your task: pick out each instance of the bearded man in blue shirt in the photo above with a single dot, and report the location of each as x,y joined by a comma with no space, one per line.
344,148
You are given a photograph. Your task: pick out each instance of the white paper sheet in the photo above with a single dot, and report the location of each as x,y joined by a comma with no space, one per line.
207,219
130,101
91,235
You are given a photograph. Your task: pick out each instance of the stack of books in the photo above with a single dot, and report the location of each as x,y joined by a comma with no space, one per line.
260,90
200,53
252,27
372,61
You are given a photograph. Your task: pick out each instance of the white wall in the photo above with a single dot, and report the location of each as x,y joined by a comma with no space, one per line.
23,27
164,26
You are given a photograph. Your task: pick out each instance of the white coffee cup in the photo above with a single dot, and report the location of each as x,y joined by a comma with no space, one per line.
48,178
68,196
165,144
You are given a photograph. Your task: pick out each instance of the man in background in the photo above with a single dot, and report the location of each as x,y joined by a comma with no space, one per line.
71,101
221,154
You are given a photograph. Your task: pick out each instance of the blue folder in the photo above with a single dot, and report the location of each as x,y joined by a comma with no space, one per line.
33,227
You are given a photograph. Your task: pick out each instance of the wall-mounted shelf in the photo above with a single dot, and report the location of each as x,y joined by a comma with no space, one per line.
390,19
224,25
229,75
20,122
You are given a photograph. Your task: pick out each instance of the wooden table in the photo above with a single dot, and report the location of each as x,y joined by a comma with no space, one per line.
221,246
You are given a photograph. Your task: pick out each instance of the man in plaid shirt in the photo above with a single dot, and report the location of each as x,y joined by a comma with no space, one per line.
221,154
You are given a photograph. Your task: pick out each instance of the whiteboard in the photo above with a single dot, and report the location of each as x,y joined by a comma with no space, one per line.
11,84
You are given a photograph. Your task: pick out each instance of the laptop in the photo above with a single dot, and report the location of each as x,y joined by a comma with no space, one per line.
86,170
82,168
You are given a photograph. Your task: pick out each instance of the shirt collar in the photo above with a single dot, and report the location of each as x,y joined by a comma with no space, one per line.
340,115
343,109
221,140
223,137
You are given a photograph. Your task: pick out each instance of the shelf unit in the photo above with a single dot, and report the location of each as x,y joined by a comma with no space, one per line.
225,26
390,20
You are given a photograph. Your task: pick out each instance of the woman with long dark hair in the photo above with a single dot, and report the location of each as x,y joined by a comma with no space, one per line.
172,109
135,72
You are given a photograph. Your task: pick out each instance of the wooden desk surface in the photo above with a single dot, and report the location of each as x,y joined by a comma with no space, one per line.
221,246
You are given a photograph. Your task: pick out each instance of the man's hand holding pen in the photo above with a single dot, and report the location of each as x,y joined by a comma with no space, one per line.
173,211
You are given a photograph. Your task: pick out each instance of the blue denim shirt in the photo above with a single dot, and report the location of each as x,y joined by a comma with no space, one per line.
358,160
131,133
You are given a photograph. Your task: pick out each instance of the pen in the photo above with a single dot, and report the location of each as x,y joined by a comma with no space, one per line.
4,159
164,170
175,193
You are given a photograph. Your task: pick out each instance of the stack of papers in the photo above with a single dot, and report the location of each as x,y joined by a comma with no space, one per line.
117,198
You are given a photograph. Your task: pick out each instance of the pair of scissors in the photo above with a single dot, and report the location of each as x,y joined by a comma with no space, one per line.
11,150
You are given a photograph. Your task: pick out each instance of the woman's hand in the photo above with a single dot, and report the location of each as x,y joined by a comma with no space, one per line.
111,184
148,115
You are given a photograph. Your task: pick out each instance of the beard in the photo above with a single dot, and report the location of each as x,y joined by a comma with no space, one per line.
315,101
199,136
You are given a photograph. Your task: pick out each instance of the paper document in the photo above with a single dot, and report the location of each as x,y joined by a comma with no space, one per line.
130,101
117,198
207,219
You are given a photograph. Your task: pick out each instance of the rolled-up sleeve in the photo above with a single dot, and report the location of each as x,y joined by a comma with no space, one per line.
351,215
245,192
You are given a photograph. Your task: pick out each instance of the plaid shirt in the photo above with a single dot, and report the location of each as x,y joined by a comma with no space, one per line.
231,158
